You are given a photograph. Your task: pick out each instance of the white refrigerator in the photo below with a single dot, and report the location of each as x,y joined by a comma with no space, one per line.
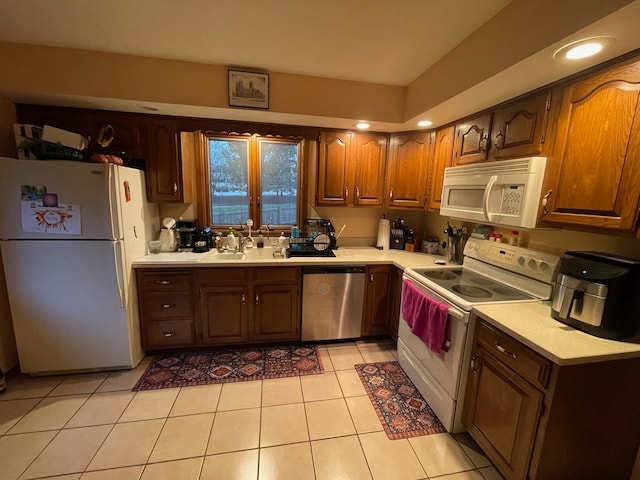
69,232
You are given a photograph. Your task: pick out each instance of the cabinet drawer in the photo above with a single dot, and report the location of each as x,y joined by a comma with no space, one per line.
276,275
168,334
516,356
164,280
222,275
159,306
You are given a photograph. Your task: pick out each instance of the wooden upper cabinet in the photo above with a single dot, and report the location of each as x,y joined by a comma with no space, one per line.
351,168
520,129
333,166
169,174
118,132
594,176
369,167
71,119
407,170
442,158
472,140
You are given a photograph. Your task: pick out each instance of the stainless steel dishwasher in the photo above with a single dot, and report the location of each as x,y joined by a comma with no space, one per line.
332,302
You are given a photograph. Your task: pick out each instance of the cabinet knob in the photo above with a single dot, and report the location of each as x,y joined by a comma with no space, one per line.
474,368
257,298
391,194
371,277
499,140
483,144
163,282
169,334
175,187
346,192
168,305
244,299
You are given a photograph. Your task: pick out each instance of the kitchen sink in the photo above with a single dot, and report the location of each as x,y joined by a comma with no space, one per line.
221,256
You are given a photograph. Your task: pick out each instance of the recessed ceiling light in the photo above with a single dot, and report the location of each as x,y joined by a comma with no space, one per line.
584,48
362,125
425,123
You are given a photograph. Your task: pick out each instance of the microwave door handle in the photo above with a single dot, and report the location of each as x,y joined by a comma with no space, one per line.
487,194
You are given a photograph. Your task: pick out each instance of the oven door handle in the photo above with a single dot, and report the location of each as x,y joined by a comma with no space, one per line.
455,313
485,197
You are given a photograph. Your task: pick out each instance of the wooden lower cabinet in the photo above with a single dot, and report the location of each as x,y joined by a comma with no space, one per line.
248,305
167,309
223,314
376,300
395,299
537,420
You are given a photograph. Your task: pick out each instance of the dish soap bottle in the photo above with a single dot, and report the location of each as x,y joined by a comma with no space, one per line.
231,239
260,239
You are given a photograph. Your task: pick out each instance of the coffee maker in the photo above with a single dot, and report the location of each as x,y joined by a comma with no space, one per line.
186,232
598,293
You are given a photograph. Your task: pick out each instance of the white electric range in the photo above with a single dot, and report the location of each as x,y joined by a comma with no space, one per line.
491,273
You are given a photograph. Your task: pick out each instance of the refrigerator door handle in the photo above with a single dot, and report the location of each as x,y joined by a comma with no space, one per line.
116,263
116,228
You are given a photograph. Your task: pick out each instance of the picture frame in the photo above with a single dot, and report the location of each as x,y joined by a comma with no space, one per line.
248,89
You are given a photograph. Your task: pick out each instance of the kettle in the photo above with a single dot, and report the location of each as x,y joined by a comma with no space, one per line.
168,241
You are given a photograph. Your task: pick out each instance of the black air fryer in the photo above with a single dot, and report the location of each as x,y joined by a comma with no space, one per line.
598,293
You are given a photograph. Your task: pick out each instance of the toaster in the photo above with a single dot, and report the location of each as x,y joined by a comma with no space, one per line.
598,293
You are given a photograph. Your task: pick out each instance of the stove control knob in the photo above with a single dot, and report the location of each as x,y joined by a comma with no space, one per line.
532,263
521,260
543,265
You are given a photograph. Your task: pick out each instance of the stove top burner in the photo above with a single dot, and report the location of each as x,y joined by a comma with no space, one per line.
439,275
471,291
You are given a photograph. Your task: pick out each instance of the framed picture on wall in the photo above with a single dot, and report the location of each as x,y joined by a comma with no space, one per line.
248,89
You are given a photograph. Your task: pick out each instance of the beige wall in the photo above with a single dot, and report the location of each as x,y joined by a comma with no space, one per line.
8,353
141,79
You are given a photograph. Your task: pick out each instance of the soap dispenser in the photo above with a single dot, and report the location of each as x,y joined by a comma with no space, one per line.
231,240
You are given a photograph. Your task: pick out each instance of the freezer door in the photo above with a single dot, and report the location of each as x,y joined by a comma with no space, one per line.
68,306
86,185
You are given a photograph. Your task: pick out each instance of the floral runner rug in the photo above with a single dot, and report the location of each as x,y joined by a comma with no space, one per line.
230,365
401,409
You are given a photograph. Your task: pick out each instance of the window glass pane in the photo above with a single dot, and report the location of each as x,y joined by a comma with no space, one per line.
279,182
228,173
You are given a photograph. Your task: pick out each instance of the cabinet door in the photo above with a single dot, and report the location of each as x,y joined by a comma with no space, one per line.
520,129
333,168
501,412
123,132
407,170
224,314
376,304
442,157
594,178
472,140
369,166
163,163
276,313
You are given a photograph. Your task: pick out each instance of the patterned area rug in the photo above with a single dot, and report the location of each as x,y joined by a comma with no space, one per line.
222,366
401,409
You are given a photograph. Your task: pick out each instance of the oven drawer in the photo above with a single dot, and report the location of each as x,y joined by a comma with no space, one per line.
512,353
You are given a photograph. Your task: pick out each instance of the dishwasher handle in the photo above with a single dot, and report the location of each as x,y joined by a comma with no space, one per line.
324,269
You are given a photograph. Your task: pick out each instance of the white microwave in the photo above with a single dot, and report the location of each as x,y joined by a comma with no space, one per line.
506,192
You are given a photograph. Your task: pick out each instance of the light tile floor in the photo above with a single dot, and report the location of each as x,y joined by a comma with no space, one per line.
317,427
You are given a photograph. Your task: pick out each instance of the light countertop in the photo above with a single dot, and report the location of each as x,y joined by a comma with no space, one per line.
256,257
531,323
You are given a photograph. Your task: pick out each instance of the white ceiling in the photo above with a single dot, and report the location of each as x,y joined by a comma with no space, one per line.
390,42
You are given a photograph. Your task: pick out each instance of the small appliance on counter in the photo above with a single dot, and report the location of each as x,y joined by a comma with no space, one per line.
598,293
186,230
168,240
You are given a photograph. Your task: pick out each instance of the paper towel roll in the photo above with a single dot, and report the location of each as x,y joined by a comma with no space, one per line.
384,231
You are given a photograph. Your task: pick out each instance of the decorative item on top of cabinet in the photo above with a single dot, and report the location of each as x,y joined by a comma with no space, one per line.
169,162
442,158
117,132
520,129
593,179
472,140
71,119
407,169
376,303
351,168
